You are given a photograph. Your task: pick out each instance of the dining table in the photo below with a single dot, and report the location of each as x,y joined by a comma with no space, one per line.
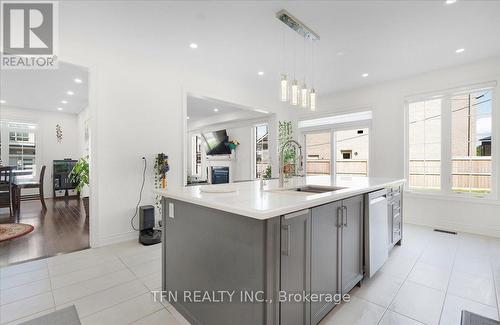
20,179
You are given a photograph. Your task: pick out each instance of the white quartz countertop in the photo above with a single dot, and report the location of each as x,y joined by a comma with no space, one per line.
249,200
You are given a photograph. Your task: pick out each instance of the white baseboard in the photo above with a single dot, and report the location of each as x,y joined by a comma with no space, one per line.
464,228
118,238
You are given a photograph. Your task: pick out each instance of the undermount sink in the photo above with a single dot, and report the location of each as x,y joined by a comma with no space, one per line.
317,189
314,189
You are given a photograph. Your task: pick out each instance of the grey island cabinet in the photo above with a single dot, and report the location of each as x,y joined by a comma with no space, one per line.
276,258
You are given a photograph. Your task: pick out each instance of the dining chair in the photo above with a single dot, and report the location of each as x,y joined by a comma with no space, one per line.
32,184
6,188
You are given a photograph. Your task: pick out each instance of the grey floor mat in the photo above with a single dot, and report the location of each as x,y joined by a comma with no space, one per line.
66,316
469,318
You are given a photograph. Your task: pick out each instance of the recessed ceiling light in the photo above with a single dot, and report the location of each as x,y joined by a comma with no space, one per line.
187,118
340,53
64,101
78,80
460,50
193,45
449,2
364,75
260,73
2,101
59,108
216,109
69,92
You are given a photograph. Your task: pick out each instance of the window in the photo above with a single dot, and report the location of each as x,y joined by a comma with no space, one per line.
346,154
462,162
319,153
424,135
349,151
471,141
261,149
22,149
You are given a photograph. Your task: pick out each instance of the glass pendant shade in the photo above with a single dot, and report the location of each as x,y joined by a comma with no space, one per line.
284,88
294,100
312,100
303,96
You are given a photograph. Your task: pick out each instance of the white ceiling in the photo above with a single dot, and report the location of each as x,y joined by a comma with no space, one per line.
386,39
45,89
200,111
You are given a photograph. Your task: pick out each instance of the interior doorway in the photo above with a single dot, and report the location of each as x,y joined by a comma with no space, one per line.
44,134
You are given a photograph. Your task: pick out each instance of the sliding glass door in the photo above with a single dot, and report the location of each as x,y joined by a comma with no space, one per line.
318,153
338,152
352,152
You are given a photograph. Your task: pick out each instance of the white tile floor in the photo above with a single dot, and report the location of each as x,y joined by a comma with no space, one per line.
108,285
428,280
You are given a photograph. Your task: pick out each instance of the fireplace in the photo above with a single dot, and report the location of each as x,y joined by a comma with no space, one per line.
220,174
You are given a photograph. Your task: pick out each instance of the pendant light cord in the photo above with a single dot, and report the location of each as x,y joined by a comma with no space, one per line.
312,64
305,61
284,51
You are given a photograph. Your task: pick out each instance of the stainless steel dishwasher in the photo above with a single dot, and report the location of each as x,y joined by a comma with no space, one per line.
376,231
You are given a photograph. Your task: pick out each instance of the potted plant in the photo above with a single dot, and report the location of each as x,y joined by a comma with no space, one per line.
161,169
233,144
80,176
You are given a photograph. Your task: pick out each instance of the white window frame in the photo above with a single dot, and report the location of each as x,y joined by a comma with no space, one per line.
332,128
254,147
446,142
14,125
193,155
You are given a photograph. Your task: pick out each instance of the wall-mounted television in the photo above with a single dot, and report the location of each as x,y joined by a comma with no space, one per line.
216,142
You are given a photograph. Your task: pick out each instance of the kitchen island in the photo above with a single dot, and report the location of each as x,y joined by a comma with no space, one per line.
246,254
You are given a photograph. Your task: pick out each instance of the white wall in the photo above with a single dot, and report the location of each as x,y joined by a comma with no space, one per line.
387,140
138,85
84,133
47,146
244,152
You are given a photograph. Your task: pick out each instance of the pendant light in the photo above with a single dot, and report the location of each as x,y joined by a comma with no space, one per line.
303,91
312,100
312,93
294,100
289,88
284,88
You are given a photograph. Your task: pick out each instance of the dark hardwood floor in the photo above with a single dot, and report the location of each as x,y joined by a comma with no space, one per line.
62,228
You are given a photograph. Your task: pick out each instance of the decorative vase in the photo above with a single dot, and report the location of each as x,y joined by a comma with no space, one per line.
164,182
232,146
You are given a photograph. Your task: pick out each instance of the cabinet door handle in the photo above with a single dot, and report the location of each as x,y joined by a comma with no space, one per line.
339,217
285,240
344,215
